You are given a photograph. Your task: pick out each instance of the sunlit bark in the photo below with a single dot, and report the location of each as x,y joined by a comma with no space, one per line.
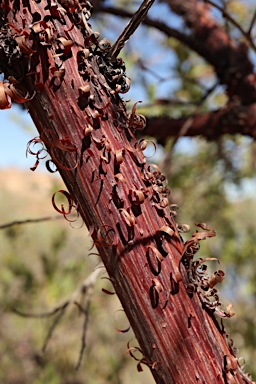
58,66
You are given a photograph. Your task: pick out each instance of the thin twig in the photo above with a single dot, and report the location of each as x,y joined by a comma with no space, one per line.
234,22
187,124
88,282
130,28
44,314
28,221
185,127
251,23
85,289
83,341
52,328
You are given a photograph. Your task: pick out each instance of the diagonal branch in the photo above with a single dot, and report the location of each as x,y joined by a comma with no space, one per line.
130,28
162,27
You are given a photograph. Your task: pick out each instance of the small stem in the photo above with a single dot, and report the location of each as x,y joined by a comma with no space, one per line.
130,28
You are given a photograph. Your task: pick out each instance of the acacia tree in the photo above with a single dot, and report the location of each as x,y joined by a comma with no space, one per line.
70,81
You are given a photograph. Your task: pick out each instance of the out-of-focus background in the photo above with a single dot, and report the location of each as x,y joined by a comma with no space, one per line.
43,263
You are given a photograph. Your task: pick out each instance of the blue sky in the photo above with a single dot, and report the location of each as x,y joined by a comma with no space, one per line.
16,130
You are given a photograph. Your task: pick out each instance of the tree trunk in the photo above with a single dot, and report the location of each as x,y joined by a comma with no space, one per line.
50,55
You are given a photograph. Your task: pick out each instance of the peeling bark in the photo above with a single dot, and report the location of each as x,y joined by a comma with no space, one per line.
55,63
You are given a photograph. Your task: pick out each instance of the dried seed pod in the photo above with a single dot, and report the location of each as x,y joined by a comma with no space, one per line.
157,285
119,156
230,363
164,202
88,130
5,99
104,45
183,228
167,230
137,196
129,219
139,122
216,277
23,45
229,311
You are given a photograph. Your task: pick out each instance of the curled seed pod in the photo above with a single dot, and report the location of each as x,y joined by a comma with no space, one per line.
183,228
22,43
230,363
58,77
139,122
69,204
157,285
167,230
174,207
190,288
84,89
229,312
125,85
205,283
129,219
119,156
120,177
88,130
5,99
216,277
164,202
104,45
137,196
230,378
143,144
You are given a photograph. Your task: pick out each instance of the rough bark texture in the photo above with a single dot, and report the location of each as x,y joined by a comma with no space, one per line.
87,129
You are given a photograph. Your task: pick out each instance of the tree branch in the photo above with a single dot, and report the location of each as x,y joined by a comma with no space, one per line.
233,119
136,19
29,221
229,59
162,27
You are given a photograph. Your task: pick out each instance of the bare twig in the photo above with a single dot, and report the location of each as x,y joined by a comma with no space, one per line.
54,324
85,289
130,28
83,341
28,221
88,282
225,14
168,31
188,123
252,23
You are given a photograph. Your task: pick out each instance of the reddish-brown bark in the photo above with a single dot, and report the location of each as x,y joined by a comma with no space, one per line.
115,190
233,119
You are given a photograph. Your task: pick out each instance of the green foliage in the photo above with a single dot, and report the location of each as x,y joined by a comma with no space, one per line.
42,265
